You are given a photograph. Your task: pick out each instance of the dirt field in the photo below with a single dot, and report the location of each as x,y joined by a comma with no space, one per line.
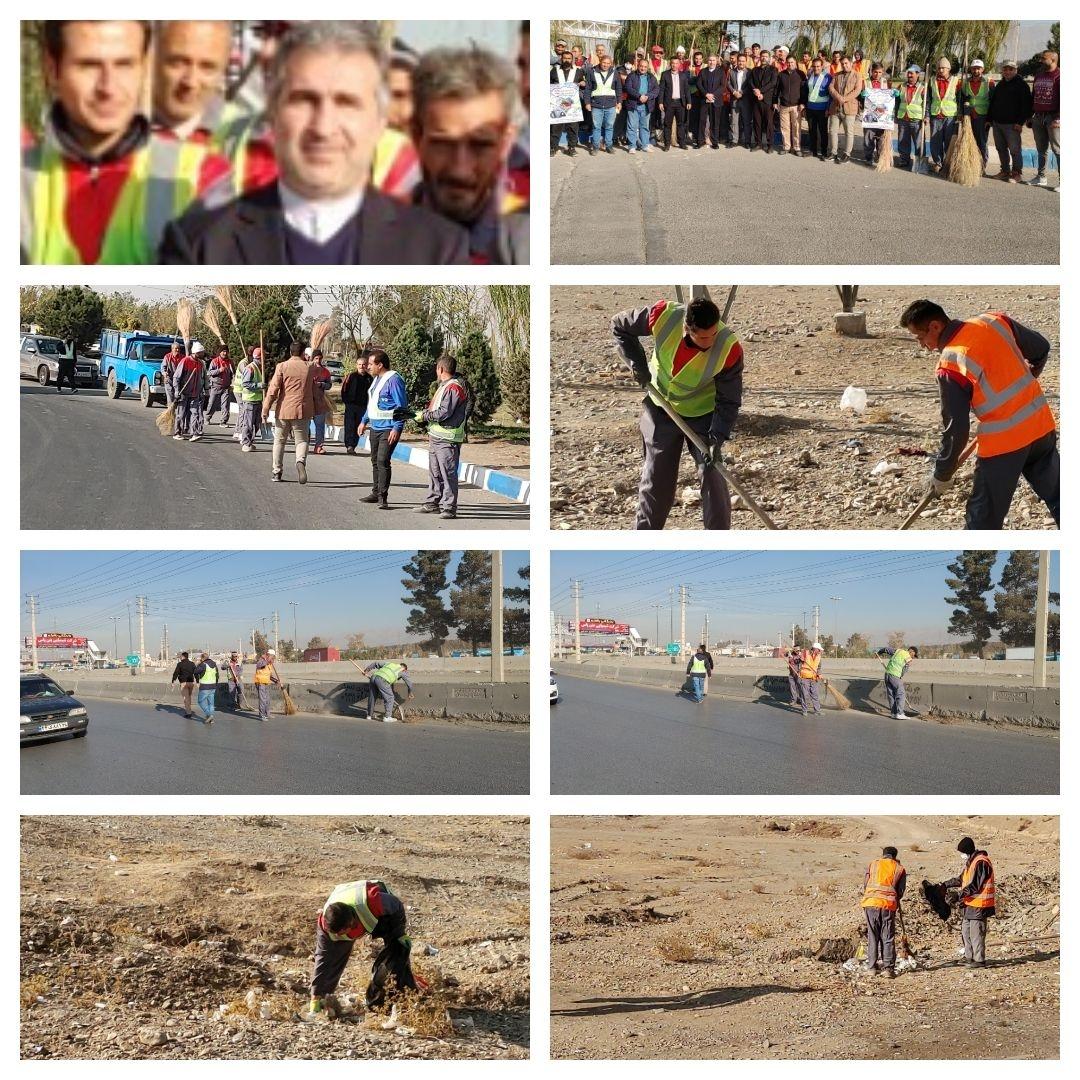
807,462
192,937
698,937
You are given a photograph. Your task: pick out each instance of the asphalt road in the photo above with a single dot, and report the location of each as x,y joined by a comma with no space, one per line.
737,207
609,739
91,463
136,749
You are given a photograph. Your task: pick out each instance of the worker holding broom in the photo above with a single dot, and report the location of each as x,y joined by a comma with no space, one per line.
809,677
899,660
696,368
883,889
188,394
990,365
265,676
249,379
383,677
235,675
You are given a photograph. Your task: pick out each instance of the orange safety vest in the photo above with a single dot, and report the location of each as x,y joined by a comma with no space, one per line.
883,875
809,664
985,898
1006,397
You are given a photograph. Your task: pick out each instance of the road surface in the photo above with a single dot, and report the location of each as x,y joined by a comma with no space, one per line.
92,463
610,739
137,749
695,206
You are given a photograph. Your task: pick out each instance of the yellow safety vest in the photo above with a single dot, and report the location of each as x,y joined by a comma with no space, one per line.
945,105
209,676
262,675
691,391
354,895
698,667
450,434
389,673
913,109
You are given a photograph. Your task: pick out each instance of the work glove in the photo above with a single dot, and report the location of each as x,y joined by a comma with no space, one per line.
317,1005
714,456
642,375
938,487
418,416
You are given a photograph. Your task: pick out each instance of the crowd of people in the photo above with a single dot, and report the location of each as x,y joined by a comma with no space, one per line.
294,402
761,100
350,152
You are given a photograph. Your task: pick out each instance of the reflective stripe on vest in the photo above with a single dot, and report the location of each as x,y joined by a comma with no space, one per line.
162,183
373,410
880,891
389,673
911,110
209,676
691,391
242,393
262,675
985,898
451,434
817,93
602,88
897,662
945,105
809,665
354,895
698,667
980,101
1006,397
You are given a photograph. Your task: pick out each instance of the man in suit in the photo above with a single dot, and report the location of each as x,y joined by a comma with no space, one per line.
710,84
295,398
326,106
741,107
764,82
675,103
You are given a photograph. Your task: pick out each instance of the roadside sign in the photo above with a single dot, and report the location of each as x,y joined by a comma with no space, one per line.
131,660
673,648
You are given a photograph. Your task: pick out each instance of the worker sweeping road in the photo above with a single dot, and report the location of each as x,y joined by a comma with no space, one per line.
794,661
188,375
899,661
974,891
353,910
265,676
234,674
809,677
207,676
990,365
383,677
883,889
697,365
699,669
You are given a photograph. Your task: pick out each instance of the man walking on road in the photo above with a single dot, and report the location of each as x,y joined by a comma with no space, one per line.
883,889
184,674
383,677
220,377
187,393
265,675
208,677
699,669
352,910
899,661
697,364
168,370
809,677
387,402
990,365
445,417
294,398
976,894
354,395
235,679
250,379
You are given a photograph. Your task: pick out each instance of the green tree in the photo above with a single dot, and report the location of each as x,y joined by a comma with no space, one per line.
475,362
857,645
470,598
315,643
73,313
425,584
29,302
413,354
970,582
510,305
1031,67
516,611
261,644
1016,599
802,639
286,651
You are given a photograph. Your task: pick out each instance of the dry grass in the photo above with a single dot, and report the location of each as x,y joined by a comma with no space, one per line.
31,988
689,946
584,853
880,416
676,948
758,888
426,1014
758,931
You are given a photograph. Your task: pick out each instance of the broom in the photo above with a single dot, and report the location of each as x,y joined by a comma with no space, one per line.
290,707
210,319
225,299
842,701
904,951
963,159
185,316
319,333
929,497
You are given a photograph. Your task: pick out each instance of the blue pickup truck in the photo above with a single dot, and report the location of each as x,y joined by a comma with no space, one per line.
131,359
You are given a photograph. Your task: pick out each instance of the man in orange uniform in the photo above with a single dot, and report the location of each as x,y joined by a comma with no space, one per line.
990,365
977,896
883,889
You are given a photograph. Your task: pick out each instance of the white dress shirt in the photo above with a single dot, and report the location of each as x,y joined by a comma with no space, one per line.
318,220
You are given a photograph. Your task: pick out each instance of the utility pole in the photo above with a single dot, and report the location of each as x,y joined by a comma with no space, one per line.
254,650
671,614
129,626
1042,617
295,639
277,625
706,629
684,596
32,607
657,608
817,622
575,595
497,669
115,647
140,608
836,624
793,635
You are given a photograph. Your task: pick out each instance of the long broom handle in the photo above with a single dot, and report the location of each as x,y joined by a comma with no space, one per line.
928,498
697,441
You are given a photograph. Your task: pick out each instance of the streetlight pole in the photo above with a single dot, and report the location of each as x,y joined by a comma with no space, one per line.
1042,617
497,673
295,640
836,624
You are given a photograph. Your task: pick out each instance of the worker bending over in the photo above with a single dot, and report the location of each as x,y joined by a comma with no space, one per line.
697,366
383,677
354,909
794,662
809,677
990,365
975,893
883,889
899,661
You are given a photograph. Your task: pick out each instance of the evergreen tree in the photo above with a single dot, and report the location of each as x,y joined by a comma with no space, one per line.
1016,598
470,599
425,585
74,313
970,582
476,364
413,353
516,618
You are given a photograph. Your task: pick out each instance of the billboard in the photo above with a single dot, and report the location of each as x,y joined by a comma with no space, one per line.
600,626
60,641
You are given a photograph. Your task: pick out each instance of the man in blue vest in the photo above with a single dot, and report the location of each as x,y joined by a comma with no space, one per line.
445,417
383,677
385,415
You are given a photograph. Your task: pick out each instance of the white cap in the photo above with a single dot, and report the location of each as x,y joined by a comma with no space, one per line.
680,48
270,652
307,351
816,645
978,64
198,347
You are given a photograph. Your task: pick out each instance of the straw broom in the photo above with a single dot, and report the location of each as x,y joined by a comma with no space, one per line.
225,299
290,707
319,333
185,316
210,319
963,160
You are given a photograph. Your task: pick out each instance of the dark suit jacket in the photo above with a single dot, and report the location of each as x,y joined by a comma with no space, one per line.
250,230
732,84
766,79
711,82
667,84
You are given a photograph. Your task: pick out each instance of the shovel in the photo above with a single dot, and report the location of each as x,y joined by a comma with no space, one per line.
929,497
694,438
903,946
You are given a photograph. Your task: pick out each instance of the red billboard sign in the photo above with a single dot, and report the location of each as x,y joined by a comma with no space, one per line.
60,641
602,626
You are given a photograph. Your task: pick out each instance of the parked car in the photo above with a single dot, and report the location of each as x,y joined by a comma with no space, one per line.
46,711
554,693
336,369
39,358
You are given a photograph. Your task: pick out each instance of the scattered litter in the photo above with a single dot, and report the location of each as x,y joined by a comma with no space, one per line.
854,397
885,468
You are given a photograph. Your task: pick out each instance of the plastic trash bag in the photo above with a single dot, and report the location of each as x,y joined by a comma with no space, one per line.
854,397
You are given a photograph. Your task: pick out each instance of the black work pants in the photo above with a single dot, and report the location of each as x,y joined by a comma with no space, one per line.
675,113
763,123
380,461
817,122
712,117
66,373
353,415
571,135
996,479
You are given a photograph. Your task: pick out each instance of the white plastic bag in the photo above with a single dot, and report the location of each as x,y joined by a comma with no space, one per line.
854,397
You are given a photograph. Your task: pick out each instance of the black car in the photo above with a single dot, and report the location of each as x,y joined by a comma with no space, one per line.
46,711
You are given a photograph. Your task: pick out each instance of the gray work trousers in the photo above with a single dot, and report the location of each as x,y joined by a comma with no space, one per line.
220,400
189,416
249,421
264,701
973,933
330,959
880,937
894,692
1010,151
299,431
793,688
662,446
382,687
808,694
443,459
838,123
1047,137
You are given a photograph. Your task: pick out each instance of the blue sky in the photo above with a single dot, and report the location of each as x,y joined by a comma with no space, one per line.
761,593
215,597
